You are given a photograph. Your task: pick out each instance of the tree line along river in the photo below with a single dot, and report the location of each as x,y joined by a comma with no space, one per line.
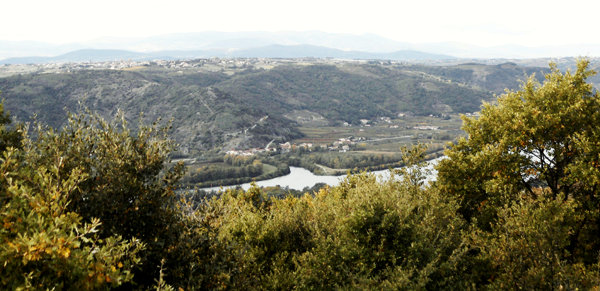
300,178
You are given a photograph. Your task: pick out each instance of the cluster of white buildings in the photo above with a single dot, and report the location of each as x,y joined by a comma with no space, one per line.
341,145
426,127
250,152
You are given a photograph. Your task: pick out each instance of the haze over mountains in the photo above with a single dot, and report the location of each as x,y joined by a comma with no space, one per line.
270,51
269,44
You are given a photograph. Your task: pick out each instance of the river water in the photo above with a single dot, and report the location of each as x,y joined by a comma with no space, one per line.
299,178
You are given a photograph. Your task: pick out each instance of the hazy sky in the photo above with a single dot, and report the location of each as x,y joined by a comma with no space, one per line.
479,22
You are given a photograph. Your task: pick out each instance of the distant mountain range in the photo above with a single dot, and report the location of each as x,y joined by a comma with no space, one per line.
270,51
272,44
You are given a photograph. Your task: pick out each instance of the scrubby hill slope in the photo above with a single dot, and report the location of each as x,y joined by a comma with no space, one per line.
224,108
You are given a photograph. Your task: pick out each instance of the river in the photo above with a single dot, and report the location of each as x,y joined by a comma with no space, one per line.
299,178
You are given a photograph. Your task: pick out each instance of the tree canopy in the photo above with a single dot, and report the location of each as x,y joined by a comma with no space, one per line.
543,136
9,137
81,203
527,176
43,244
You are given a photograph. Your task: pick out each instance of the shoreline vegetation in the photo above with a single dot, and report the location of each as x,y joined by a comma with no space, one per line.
317,169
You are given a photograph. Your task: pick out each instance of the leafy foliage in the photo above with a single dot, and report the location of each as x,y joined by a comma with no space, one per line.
126,187
92,206
43,244
528,246
527,179
9,137
534,137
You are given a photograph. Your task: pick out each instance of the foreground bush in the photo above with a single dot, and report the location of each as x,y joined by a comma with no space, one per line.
127,184
361,234
43,245
528,177
528,246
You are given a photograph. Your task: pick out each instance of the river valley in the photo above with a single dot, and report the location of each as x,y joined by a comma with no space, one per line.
300,178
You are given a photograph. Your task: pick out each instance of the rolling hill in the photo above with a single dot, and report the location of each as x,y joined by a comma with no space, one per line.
242,106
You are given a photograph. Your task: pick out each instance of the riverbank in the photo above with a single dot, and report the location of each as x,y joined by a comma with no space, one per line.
315,169
301,178
322,170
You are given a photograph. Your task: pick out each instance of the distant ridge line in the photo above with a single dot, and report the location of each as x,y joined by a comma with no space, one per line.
269,51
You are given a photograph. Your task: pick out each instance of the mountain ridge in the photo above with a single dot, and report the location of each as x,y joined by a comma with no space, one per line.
216,40
269,51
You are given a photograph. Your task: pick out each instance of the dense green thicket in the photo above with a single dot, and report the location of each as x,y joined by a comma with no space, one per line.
126,185
527,176
337,160
214,172
9,137
44,244
91,206
515,207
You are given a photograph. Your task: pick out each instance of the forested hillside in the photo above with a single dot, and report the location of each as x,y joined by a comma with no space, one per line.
217,105
351,93
203,117
495,78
